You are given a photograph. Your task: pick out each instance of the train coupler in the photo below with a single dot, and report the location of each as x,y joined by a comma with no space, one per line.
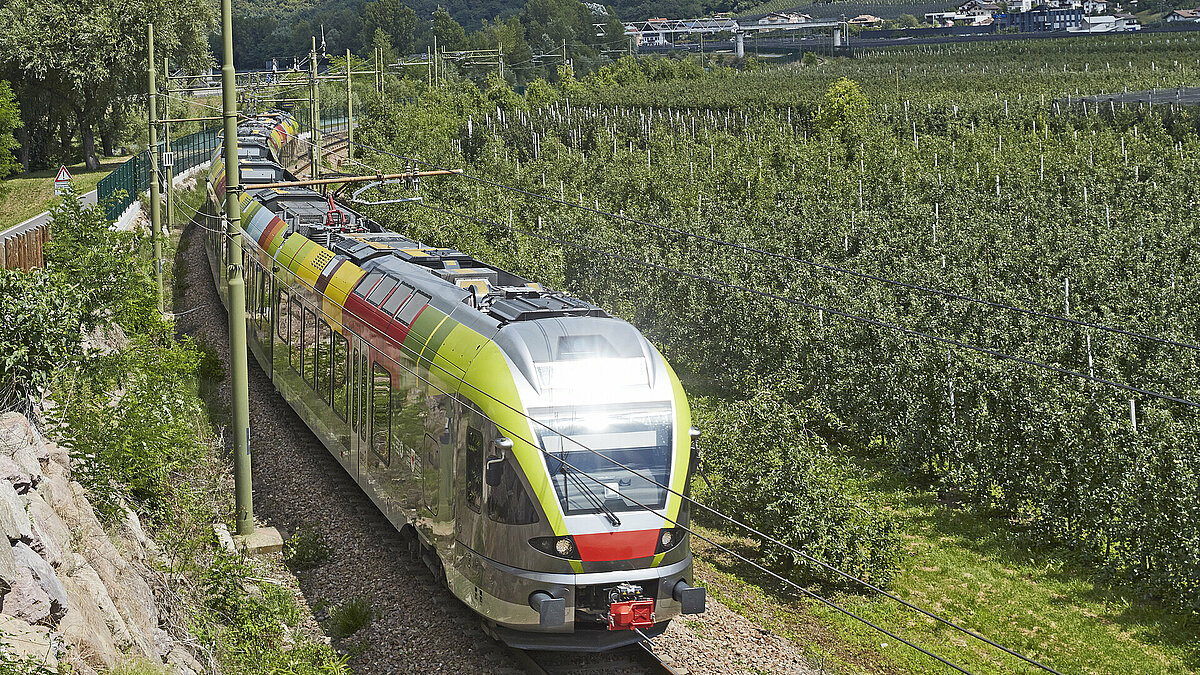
631,614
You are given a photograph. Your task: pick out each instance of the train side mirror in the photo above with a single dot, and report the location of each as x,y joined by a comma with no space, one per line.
495,463
694,434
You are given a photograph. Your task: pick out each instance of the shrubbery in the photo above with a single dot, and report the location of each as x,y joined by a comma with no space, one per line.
40,332
131,413
768,469
248,623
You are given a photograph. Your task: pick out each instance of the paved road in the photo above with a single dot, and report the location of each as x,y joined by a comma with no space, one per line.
42,218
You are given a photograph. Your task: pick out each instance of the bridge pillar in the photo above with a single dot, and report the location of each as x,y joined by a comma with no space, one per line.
739,41
837,36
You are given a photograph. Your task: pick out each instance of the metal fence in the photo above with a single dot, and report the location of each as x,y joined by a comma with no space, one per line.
121,188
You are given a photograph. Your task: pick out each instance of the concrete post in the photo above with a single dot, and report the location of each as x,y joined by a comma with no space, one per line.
238,363
837,36
155,206
739,42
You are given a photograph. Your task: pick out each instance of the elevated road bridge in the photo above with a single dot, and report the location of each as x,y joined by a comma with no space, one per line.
655,32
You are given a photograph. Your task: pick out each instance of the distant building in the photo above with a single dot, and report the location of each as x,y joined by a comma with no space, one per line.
1106,24
1042,18
783,17
1192,15
866,20
974,13
1095,6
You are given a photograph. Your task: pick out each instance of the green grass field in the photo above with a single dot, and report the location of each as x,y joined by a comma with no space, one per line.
967,568
26,195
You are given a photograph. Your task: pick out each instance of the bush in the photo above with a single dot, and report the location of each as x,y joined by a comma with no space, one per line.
248,625
104,266
40,331
768,470
134,420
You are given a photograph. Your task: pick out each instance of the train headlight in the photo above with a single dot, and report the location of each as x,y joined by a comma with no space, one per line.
669,538
559,547
562,546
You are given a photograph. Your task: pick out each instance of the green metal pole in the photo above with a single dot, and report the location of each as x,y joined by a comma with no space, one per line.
315,92
349,112
238,366
169,169
155,220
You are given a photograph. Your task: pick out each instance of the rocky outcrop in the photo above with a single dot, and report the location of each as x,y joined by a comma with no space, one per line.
69,589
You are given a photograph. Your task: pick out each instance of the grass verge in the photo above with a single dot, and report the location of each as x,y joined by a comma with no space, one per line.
26,195
966,567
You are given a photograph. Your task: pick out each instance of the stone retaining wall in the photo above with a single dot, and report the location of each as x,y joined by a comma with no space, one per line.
72,590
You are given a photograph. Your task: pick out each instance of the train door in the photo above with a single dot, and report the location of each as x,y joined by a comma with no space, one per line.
470,456
267,293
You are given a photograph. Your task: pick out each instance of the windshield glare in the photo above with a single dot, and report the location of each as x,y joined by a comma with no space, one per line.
638,437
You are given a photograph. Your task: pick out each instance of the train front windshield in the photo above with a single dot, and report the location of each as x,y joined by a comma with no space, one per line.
580,444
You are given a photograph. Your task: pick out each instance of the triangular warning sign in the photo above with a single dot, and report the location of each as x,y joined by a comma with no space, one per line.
63,175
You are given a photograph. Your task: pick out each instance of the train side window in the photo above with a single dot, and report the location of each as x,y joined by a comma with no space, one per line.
381,413
393,302
341,370
295,324
430,478
474,472
252,293
264,292
282,315
412,308
509,502
308,352
324,361
376,296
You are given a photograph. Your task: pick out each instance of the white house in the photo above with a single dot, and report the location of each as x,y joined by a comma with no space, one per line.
1095,6
783,17
1184,15
1106,24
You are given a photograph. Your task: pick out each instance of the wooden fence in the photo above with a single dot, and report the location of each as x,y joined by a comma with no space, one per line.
24,250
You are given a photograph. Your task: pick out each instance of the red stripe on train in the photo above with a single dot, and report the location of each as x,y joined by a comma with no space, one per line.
606,546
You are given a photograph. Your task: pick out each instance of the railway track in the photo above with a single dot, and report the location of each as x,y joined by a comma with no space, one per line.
332,144
639,658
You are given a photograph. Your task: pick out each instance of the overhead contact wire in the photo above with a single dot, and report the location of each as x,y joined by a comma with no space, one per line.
811,263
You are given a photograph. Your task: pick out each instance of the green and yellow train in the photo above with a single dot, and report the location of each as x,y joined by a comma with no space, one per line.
533,446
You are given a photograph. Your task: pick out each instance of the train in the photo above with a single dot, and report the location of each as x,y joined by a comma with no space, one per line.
522,439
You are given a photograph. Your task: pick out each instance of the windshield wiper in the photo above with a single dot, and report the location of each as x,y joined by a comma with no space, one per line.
589,495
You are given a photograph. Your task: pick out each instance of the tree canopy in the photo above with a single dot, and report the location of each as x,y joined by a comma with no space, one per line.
89,56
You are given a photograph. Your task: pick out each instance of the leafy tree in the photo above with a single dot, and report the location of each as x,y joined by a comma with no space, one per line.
539,92
97,260
907,21
449,33
90,54
499,94
395,19
10,121
567,83
846,113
